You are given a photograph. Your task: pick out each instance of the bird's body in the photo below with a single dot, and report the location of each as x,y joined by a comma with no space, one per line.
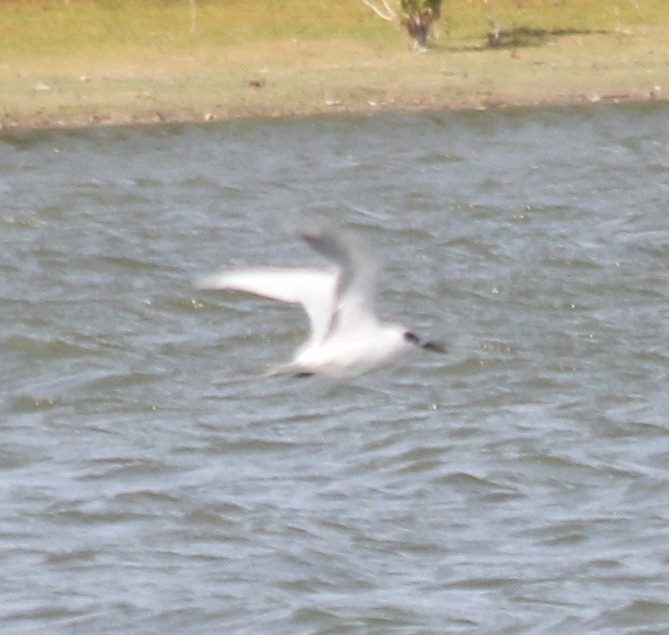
346,337
349,354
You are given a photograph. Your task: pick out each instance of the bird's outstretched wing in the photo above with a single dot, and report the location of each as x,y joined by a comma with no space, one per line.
353,305
314,289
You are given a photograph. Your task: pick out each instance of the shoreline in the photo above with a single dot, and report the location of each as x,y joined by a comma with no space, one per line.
192,79
167,113
255,98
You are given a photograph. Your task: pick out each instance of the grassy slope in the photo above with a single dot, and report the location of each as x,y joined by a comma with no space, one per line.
87,61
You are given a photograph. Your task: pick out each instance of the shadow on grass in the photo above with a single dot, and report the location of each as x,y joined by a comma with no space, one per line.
523,36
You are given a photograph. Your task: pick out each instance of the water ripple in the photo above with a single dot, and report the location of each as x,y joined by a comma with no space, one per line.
154,480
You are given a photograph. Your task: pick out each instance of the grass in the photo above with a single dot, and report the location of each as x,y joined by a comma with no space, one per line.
122,61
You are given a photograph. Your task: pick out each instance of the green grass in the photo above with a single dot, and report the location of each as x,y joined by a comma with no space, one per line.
82,27
56,28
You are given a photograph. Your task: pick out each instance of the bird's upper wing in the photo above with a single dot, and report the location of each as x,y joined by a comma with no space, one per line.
353,308
314,289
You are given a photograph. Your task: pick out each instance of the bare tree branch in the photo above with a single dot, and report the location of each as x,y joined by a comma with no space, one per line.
389,14
388,7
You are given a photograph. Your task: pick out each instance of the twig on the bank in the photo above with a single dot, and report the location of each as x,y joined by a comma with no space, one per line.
193,15
495,33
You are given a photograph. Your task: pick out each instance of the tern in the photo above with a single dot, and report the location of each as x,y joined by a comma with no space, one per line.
346,339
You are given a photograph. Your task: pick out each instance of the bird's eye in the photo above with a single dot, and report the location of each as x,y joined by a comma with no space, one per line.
411,337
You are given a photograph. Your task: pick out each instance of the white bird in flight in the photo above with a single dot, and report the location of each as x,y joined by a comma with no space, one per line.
347,339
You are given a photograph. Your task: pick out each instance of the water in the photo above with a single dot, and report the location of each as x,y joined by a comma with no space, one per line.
152,481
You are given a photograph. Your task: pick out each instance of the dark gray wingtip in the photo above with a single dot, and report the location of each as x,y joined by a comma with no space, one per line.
333,245
420,342
435,347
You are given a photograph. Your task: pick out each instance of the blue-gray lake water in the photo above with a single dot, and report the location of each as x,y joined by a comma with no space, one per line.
153,481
